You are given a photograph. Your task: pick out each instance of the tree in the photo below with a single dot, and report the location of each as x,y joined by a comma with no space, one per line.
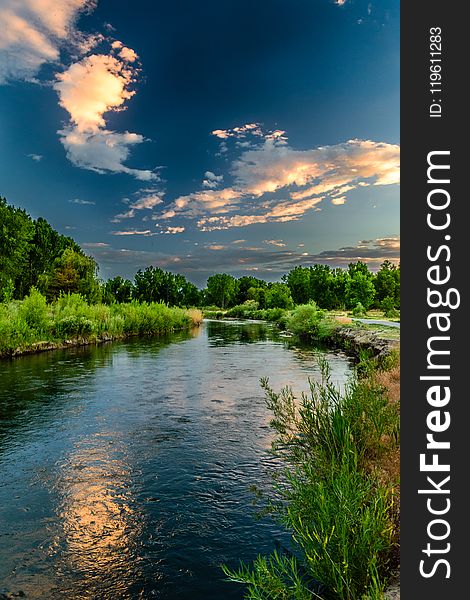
322,286
278,296
117,290
16,232
46,246
360,290
73,272
298,281
387,283
221,289
245,284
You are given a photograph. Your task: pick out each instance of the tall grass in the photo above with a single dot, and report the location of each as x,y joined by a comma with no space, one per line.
27,323
333,496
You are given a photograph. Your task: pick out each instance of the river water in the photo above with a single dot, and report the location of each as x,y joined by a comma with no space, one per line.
126,469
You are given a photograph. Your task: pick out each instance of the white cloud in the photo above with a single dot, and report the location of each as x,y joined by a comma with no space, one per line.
95,245
146,201
306,177
212,180
102,152
95,85
33,32
278,243
174,230
145,232
35,157
81,202
88,90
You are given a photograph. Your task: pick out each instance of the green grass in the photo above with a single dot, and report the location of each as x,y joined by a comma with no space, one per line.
28,323
339,511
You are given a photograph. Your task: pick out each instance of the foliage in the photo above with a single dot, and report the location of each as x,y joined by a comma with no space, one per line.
278,296
73,273
308,321
388,306
359,310
156,285
339,512
221,289
30,321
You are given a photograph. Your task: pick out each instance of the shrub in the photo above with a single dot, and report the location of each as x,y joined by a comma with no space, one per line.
73,325
388,306
305,319
34,311
359,310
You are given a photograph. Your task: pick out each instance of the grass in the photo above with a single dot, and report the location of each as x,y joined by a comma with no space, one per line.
339,492
31,323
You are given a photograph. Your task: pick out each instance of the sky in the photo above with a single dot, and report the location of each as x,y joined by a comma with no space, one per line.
218,136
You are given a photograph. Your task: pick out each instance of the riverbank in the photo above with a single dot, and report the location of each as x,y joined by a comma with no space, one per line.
332,328
33,325
340,491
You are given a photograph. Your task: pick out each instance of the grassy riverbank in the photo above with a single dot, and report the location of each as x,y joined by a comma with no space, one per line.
339,493
33,324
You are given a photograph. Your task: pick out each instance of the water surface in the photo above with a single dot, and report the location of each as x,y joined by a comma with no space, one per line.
126,468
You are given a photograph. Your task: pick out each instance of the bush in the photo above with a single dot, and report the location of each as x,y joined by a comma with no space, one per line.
304,320
73,325
388,306
34,311
359,310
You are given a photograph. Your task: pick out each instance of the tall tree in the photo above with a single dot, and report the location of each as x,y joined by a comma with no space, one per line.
16,233
73,272
221,289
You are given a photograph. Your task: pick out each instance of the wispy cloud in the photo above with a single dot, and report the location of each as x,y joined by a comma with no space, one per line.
33,33
95,245
81,202
304,178
278,243
173,230
35,157
212,180
147,200
145,232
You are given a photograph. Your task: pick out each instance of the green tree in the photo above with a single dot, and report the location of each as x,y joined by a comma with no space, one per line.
117,290
46,246
73,272
298,280
360,290
245,284
16,232
221,290
278,295
322,286
387,283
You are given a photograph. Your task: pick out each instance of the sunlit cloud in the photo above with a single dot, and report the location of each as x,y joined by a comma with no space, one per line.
145,232
88,90
145,202
278,243
173,230
304,177
33,32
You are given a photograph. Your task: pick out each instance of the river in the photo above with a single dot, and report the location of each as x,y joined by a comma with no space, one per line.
126,469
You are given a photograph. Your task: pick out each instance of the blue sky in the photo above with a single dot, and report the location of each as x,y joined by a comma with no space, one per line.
236,136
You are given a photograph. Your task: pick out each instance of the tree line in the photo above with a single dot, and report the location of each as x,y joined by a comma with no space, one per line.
33,254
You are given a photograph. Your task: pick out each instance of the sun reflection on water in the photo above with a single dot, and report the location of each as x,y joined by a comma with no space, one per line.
99,525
